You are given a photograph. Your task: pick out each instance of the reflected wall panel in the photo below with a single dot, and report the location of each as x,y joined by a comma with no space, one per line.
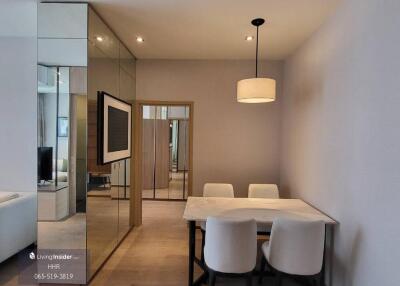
148,145
110,69
102,209
162,153
73,66
62,20
62,125
62,52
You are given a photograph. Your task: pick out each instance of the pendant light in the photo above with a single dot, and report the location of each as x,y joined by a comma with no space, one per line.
256,90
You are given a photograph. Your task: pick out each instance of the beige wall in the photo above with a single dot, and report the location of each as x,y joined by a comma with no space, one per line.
233,142
341,136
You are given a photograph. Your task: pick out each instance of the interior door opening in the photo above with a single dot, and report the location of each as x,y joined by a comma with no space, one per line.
165,152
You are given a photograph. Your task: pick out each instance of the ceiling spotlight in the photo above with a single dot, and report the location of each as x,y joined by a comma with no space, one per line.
139,39
99,39
249,38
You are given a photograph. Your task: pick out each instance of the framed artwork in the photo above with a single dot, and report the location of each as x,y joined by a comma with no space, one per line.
114,119
62,126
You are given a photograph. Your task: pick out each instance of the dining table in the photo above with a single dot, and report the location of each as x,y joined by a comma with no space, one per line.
262,210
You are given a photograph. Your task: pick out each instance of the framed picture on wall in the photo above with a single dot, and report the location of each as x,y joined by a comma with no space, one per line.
114,119
62,126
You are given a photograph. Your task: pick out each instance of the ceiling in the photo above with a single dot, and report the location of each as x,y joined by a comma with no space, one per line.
213,29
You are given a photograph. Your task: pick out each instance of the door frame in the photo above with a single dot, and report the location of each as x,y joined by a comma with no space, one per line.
136,210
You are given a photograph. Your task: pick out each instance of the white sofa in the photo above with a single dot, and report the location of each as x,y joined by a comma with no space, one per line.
18,223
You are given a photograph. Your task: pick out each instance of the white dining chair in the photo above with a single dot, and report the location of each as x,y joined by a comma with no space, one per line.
296,247
231,248
219,190
264,191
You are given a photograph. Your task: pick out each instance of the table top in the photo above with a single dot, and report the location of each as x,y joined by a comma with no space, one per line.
262,210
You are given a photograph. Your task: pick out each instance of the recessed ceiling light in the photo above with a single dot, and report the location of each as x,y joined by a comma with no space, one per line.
249,38
99,39
139,39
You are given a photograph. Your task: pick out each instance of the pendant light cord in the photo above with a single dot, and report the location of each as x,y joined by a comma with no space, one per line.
257,54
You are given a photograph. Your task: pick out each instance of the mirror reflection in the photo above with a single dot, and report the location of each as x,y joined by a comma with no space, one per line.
111,69
61,157
165,147
82,204
61,135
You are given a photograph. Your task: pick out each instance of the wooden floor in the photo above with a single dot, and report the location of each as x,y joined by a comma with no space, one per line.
155,253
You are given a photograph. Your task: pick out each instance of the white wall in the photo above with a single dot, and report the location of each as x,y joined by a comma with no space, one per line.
341,136
18,152
233,142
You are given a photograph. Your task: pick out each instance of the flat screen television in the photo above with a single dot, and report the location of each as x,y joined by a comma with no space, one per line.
45,163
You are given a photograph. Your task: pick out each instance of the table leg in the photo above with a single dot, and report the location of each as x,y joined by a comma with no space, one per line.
328,255
192,248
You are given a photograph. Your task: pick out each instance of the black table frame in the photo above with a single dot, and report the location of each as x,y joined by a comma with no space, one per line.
193,259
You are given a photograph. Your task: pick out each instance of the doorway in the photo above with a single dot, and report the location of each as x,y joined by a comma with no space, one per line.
164,152
165,132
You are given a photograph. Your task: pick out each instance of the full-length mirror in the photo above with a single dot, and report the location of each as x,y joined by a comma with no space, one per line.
62,134
62,129
61,157
84,204
111,69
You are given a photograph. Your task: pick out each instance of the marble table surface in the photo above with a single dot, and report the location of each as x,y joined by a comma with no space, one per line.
261,210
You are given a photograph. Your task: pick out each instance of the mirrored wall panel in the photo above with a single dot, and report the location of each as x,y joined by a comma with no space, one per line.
62,132
83,204
111,69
